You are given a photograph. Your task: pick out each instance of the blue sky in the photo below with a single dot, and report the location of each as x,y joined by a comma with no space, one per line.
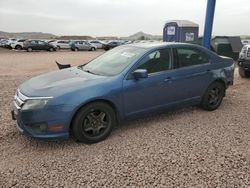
118,17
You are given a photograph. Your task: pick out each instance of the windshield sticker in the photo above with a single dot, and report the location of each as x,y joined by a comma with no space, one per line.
127,54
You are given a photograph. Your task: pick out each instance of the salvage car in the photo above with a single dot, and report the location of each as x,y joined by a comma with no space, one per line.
127,82
18,44
31,45
111,45
244,62
9,41
97,43
61,44
82,45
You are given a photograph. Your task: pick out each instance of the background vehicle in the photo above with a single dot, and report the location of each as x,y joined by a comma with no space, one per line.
30,45
97,43
18,44
9,41
61,44
3,42
127,82
111,45
244,61
245,42
82,45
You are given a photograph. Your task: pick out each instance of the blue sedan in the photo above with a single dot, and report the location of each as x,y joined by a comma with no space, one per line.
127,82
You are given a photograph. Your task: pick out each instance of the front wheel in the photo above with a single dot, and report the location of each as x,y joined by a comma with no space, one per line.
18,47
92,49
93,123
213,96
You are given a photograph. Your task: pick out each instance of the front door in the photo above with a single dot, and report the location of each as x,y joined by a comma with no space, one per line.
156,91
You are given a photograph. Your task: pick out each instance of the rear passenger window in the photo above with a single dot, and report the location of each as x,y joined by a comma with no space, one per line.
189,57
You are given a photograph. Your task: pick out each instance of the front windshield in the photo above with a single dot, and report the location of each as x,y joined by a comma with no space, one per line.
114,61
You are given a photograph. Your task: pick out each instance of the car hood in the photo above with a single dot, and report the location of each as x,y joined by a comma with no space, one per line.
59,82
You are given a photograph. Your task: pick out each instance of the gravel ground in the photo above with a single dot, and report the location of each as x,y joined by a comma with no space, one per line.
183,148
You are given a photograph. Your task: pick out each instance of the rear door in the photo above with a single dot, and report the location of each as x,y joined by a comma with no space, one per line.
86,45
42,45
192,74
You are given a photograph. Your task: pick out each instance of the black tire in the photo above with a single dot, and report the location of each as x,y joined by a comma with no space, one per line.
29,49
242,72
106,48
76,49
51,49
92,49
213,96
93,122
18,47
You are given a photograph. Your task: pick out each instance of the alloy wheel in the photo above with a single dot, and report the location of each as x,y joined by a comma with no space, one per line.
95,123
214,96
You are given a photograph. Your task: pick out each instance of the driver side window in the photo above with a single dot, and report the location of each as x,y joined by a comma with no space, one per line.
157,61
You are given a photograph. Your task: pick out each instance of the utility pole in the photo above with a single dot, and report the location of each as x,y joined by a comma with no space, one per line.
209,23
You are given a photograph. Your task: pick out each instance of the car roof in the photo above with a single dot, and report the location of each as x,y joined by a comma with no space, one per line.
163,44
152,46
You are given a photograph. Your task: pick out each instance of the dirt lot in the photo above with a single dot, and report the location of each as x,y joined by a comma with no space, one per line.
184,148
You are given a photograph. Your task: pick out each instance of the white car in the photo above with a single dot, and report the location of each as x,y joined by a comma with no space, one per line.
96,43
245,42
61,44
18,44
11,40
82,45
3,42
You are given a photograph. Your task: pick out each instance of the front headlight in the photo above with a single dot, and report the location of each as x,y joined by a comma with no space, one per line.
33,104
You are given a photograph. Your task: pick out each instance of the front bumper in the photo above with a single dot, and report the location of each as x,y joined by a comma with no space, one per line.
245,65
25,124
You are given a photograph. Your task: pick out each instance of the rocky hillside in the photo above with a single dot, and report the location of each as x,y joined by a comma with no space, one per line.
27,35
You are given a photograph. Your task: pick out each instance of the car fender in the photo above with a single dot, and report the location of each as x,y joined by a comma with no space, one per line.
218,76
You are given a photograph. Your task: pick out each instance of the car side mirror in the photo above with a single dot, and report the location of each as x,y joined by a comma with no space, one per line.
140,73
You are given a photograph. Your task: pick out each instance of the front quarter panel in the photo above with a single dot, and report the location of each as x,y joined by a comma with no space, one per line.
109,90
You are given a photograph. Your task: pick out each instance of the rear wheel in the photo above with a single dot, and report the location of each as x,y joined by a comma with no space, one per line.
94,122
213,96
51,49
29,49
76,49
92,49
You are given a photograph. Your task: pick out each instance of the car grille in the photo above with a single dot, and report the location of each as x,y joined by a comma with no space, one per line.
19,99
